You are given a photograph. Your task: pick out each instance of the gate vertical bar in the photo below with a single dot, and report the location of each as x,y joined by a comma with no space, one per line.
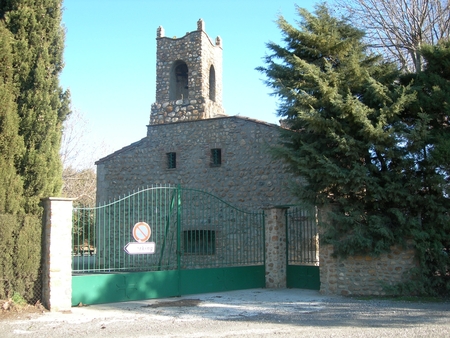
264,237
288,244
178,192
166,230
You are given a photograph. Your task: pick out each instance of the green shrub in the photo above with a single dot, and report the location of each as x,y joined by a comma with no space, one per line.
20,256
7,225
18,299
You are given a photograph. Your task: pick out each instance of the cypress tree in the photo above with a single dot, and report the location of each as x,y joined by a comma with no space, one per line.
32,109
11,144
42,105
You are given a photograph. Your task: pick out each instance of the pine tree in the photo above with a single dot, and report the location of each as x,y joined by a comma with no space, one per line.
343,106
427,142
42,104
11,144
372,144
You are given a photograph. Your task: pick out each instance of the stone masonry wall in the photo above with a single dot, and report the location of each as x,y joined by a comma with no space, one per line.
198,52
248,176
363,275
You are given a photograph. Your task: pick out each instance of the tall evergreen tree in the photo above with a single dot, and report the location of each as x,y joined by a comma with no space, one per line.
41,102
427,142
371,144
11,144
343,104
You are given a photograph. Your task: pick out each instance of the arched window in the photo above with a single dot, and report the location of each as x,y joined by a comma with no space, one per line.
178,88
212,83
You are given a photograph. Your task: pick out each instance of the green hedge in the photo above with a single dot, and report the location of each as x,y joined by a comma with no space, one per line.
20,256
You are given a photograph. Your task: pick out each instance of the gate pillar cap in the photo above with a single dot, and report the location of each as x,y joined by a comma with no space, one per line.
58,199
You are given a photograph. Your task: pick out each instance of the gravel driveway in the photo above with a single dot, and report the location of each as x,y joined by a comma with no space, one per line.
248,313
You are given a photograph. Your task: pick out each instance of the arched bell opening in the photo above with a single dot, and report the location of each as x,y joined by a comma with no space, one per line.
178,88
212,83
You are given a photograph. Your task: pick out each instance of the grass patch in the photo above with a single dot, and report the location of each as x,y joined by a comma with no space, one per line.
17,299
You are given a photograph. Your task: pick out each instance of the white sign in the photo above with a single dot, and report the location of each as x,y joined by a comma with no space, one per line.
134,248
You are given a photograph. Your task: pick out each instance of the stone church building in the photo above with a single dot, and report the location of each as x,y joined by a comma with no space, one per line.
191,141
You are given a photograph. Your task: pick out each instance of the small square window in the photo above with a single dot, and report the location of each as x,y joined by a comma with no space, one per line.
171,160
216,157
199,242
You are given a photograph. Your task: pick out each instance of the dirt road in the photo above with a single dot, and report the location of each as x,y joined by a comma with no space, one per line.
248,313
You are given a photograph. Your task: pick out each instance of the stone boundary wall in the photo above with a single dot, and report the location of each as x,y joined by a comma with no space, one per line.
364,275
358,275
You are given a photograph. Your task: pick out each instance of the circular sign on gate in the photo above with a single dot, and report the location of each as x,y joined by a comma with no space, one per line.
141,232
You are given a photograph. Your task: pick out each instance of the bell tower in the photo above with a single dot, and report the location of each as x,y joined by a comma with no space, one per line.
188,77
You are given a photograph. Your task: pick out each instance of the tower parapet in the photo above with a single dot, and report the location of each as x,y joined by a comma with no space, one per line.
188,77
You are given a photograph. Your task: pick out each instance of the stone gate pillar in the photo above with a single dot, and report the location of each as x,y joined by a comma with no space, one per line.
57,254
275,247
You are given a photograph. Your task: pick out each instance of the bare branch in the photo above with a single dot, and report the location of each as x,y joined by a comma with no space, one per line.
79,151
401,27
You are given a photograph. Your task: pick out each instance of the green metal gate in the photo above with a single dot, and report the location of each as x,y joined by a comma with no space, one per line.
200,244
302,249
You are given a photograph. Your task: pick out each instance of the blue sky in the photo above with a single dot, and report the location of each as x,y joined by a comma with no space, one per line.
110,57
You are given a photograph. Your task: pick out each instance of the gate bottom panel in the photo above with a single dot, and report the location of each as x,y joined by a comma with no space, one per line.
127,286
303,277
122,287
221,279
